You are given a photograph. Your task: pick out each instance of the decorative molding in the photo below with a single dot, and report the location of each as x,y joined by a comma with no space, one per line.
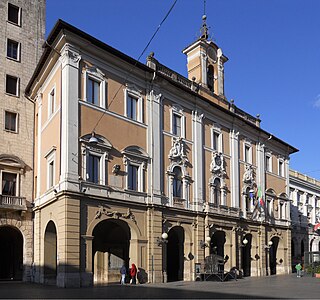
177,151
217,165
115,214
248,175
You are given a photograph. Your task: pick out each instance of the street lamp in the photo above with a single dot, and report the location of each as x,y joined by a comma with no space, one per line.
267,247
163,240
244,242
205,244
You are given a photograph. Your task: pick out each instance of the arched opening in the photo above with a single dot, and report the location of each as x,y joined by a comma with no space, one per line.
210,78
273,255
302,249
217,243
110,250
50,254
246,255
177,182
175,254
217,192
11,253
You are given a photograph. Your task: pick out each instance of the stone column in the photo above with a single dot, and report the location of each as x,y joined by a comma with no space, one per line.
234,176
87,275
70,59
198,159
155,146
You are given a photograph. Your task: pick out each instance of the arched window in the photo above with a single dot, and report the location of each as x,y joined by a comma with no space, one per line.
177,182
217,191
210,78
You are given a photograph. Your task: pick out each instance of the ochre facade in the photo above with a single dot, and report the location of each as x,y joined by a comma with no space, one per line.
133,151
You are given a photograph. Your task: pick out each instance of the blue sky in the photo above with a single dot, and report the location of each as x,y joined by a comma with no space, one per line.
273,48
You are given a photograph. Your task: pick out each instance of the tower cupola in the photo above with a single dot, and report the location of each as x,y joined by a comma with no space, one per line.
205,61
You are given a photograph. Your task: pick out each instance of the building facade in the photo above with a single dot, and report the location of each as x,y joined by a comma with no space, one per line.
135,163
22,35
305,215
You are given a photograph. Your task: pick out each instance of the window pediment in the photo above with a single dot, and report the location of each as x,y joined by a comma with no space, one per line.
102,141
94,71
12,161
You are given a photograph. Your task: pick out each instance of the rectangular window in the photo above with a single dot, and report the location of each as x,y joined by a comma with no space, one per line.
215,140
51,174
133,172
9,184
11,121
247,154
268,164
14,14
93,170
176,125
51,103
13,49
132,104
12,85
281,171
93,91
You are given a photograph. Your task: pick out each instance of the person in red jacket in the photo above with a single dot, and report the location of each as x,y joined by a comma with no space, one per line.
133,274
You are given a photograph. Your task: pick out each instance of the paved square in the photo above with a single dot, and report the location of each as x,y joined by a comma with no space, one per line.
272,287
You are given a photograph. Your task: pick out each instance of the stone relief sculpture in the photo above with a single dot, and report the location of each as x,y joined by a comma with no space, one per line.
217,164
177,151
248,175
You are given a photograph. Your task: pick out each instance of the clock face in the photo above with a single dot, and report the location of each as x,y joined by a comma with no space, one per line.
218,160
212,54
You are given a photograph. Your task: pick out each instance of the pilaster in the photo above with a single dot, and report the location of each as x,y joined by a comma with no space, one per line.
234,151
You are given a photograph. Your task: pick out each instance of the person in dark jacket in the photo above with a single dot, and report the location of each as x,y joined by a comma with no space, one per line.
123,272
133,274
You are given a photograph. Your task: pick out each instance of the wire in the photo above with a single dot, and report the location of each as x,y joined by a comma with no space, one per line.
142,53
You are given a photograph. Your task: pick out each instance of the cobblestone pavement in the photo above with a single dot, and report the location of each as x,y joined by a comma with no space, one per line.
272,287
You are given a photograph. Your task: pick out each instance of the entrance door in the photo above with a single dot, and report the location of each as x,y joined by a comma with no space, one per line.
110,250
11,253
246,256
175,254
273,255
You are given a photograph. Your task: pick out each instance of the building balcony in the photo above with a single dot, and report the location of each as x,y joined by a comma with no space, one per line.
13,203
179,202
224,210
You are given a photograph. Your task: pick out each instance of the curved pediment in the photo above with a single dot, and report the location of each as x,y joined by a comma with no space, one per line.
12,160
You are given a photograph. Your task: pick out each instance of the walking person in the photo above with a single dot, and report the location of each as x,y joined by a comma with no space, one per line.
123,272
133,274
298,268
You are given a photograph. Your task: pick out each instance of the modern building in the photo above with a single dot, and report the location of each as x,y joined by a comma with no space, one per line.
136,163
22,27
305,214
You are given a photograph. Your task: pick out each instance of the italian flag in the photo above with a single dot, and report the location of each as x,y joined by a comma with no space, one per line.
260,198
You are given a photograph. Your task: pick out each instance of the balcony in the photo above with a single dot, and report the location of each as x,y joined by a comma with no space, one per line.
179,202
224,210
13,203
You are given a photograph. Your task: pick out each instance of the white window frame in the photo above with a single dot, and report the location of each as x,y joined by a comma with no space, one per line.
17,122
133,92
103,164
17,86
216,129
268,157
139,160
50,99
95,74
17,183
139,176
51,158
177,111
19,15
281,171
247,145
18,50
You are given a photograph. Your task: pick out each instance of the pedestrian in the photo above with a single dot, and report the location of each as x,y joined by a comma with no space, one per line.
298,268
123,272
133,274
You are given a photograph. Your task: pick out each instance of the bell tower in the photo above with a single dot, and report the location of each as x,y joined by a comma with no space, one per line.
205,62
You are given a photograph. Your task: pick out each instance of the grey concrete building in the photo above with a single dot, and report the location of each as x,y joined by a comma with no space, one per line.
22,27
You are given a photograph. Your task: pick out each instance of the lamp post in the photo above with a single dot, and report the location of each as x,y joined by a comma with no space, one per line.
162,242
267,247
205,244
